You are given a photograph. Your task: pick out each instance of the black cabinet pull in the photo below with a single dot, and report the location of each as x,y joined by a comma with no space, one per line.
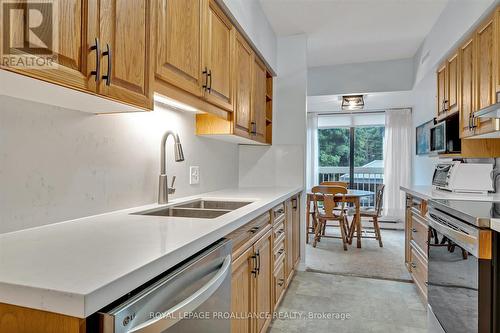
253,128
281,282
97,50
210,77
205,72
254,270
108,54
258,262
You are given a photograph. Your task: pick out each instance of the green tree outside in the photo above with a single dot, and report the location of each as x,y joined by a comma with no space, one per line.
334,146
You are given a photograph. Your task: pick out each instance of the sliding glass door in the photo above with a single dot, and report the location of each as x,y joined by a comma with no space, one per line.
352,154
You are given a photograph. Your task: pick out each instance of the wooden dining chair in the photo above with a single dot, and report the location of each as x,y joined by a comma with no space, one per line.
325,210
337,183
373,215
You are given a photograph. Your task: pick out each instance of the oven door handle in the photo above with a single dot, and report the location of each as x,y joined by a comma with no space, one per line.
468,242
173,315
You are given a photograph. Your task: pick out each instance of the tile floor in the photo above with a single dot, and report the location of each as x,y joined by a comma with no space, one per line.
367,304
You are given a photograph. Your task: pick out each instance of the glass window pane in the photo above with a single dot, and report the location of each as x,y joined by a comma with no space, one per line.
334,153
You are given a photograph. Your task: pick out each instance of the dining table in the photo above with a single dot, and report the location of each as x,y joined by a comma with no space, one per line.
353,197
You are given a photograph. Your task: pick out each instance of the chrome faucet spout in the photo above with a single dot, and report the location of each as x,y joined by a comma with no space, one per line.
163,189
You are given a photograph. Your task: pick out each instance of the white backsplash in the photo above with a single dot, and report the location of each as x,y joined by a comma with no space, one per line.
58,164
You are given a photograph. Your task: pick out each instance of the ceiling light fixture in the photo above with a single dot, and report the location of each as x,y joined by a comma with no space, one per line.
353,102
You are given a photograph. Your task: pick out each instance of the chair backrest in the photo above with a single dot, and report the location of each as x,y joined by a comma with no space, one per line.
342,184
326,195
379,198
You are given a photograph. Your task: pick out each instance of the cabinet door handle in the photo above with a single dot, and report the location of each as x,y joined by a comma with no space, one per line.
281,251
254,270
413,265
258,262
209,75
205,72
97,50
281,282
108,54
253,129
414,230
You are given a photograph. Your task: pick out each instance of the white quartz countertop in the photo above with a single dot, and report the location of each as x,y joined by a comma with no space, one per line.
428,192
79,266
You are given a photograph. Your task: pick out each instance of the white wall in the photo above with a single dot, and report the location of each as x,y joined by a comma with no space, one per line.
58,164
424,109
377,76
253,21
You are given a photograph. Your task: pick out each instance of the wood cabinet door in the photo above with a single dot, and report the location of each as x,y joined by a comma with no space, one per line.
241,295
288,239
441,92
263,280
485,73
466,87
296,229
219,35
178,44
125,30
259,100
452,84
243,61
69,45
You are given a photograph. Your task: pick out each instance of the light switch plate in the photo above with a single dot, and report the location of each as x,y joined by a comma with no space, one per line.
194,175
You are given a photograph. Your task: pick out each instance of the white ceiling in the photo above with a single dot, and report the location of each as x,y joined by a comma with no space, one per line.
355,31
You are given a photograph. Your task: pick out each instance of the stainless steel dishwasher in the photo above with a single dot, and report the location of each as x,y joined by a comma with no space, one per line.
192,298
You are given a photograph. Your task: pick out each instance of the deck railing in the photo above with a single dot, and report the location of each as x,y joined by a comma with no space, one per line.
365,178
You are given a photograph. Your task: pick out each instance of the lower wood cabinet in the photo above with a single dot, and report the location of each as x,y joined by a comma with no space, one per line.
416,242
263,266
251,286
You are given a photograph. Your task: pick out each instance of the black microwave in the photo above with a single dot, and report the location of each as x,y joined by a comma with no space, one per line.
445,136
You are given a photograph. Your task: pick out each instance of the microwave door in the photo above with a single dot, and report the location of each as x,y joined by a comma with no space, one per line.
438,138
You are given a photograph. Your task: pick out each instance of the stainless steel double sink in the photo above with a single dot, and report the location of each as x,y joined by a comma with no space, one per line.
202,208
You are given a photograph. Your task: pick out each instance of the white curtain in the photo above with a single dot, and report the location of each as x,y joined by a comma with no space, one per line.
397,160
312,150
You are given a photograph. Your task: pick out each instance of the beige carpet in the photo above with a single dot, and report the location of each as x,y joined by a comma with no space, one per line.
369,261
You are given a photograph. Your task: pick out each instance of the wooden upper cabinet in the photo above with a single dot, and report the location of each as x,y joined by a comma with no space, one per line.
486,60
218,52
263,292
466,94
441,92
69,46
259,101
452,84
178,43
126,64
243,61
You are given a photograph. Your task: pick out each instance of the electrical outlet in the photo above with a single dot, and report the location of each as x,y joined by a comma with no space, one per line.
194,175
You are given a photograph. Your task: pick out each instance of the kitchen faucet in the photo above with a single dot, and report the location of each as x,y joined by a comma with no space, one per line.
164,190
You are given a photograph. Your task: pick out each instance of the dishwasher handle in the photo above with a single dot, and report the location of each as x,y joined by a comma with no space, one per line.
171,316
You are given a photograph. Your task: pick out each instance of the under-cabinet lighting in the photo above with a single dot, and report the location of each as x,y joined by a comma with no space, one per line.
353,102
174,104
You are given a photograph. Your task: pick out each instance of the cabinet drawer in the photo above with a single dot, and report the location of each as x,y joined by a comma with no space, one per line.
279,212
278,232
419,232
279,250
244,235
279,281
418,269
